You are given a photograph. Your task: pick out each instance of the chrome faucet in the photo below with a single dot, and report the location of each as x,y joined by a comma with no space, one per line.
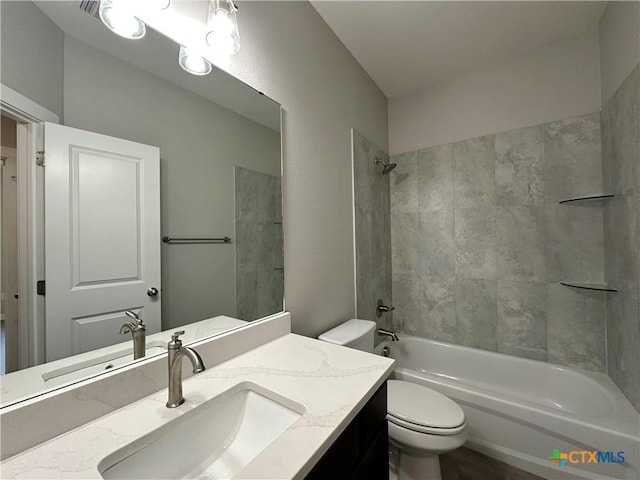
388,333
382,308
176,353
138,333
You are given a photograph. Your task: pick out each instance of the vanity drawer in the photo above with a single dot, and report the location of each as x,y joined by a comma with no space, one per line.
362,450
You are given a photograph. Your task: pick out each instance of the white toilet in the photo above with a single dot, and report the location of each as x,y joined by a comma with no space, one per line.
422,422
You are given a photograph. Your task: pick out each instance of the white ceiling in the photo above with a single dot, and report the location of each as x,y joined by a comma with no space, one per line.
407,46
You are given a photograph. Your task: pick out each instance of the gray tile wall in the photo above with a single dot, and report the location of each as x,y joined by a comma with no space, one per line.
259,245
372,230
479,243
621,172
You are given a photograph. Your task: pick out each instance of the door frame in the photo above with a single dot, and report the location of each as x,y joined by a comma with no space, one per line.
30,116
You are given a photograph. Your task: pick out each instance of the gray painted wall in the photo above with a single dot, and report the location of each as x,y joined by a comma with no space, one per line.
480,243
200,145
9,356
31,54
372,231
289,53
558,80
8,132
619,34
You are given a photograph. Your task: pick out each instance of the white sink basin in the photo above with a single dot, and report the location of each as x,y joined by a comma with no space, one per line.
213,441
95,365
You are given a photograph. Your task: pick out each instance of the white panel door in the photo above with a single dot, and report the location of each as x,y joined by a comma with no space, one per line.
102,238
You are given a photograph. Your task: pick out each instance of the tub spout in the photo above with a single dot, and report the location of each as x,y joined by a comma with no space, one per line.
388,333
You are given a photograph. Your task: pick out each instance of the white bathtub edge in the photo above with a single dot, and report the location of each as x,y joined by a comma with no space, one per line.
517,432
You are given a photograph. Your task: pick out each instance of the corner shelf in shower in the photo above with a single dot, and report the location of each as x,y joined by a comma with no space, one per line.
601,197
590,286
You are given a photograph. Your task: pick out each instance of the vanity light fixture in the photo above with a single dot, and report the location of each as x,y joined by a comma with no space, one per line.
156,4
222,27
192,62
119,18
119,15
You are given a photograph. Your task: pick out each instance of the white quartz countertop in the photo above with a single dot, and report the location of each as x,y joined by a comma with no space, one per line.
331,382
41,378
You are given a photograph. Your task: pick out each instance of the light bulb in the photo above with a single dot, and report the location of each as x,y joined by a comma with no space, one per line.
156,4
122,22
193,62
119,19
223,43
221,23
222,28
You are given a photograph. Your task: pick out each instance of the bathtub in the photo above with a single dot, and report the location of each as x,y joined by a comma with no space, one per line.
518,411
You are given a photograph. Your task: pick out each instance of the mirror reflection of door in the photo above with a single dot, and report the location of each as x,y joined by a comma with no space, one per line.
102,242
9,333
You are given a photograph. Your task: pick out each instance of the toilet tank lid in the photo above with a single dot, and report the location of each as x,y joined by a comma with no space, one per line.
348,332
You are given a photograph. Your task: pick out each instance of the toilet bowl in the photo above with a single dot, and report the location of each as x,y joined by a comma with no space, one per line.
422,422
422,425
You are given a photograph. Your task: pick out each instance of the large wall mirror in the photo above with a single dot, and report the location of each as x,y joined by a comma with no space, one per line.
160,197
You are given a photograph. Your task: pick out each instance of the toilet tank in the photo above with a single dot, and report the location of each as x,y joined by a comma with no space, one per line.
355,333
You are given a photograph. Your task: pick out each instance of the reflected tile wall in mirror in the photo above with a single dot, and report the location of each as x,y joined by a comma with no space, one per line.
259,247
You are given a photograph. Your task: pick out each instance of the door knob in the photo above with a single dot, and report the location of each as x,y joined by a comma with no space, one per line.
152,291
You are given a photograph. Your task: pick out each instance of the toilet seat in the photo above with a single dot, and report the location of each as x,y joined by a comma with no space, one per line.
423,410
424,429
420,445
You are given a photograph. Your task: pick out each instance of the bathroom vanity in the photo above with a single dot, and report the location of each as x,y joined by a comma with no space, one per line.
362,450
294,407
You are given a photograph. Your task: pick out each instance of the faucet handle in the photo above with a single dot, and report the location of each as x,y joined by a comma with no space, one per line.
175,340
134,316
382,308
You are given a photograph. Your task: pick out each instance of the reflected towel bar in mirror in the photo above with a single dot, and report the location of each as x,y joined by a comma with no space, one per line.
168,239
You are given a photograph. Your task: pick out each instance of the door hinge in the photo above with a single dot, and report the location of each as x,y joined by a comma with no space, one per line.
40,158
41,287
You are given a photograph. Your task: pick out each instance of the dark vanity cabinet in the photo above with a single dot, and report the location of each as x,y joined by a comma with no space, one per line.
362,450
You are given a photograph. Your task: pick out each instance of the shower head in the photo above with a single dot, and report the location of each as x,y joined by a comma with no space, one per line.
386,167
